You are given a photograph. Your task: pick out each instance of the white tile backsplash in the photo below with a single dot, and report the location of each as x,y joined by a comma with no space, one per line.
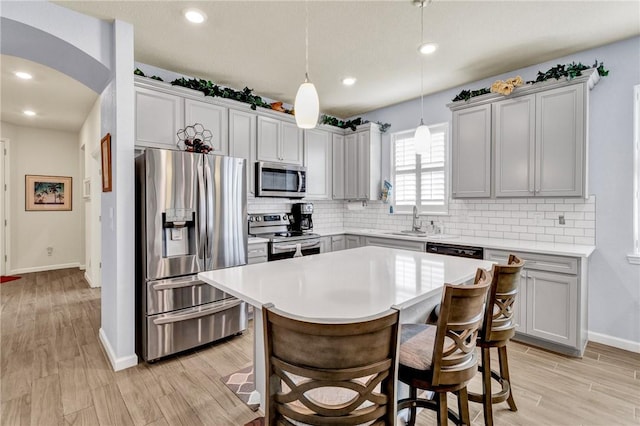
531,219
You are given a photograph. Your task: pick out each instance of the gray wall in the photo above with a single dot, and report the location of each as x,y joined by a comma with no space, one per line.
614,284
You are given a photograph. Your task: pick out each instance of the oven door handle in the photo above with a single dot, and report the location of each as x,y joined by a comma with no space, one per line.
197,314
312,244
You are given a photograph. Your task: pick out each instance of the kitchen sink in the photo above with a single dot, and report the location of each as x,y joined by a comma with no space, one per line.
423,234
408,233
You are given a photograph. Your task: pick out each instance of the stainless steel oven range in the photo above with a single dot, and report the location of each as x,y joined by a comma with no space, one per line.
283,242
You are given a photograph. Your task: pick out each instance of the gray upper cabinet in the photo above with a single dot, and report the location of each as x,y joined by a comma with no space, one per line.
514,135
213,118
317,160
361,166
351,166
560,142
242,141
530,143
338,166
159,116
471,152
279,141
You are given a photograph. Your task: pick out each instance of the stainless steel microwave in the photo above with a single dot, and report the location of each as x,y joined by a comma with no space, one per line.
280,180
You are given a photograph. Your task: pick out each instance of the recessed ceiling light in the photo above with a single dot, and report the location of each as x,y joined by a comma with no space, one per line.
194,15
29,112
349,81
428,48
24,75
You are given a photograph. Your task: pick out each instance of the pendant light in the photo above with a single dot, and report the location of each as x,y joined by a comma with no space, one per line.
307,104
422,137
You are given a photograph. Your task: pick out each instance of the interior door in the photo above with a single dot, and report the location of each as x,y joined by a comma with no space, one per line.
3,226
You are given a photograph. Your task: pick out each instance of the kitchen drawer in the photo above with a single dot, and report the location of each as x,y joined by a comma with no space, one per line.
179,293
539,262
260,259
188,328
257,250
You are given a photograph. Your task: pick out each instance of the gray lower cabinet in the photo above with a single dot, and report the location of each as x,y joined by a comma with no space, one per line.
257,253
338,242
551,306
353,241
395,243
325,245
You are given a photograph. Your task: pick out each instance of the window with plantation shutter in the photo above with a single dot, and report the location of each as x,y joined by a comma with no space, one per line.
420,180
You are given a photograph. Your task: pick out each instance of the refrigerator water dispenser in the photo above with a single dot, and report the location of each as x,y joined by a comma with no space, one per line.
178,232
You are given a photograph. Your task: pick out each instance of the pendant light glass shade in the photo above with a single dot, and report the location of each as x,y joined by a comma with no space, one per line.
307,106
422,138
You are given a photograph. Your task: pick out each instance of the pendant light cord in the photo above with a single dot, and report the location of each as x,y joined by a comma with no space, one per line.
306,41
422,64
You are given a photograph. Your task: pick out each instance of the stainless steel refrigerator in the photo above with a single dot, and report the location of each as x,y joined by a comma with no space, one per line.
191,217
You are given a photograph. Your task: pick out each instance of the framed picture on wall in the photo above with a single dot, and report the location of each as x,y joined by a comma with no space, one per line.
105,149
48,193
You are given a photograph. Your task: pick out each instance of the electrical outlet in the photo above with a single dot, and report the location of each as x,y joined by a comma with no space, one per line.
561,220
49,251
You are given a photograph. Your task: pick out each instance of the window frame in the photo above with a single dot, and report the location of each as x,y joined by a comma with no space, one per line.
423,210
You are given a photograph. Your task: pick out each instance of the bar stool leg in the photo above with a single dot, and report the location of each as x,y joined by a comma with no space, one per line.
486,386
504,373
463,406
443,411
413,395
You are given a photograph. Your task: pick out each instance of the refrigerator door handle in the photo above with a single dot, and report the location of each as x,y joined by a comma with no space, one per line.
198,313
202,212
174,284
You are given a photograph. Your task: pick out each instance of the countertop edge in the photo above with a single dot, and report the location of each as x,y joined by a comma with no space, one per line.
558,249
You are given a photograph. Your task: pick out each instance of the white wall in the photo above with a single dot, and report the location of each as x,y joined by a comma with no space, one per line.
90,140
614,290
43,152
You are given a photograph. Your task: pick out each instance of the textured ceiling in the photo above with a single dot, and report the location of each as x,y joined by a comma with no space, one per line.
260,44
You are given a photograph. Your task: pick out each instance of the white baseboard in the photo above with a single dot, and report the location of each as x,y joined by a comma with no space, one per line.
44,268
616,342
82,267
88,280
116,363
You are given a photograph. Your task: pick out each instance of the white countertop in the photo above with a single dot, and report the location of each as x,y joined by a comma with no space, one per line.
346,284
558,249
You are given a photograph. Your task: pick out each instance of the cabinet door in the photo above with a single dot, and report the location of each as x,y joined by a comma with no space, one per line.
317,159
159,116
552,307
560,141
338,243
471,152
520,304
338,167
353,241
291,143
268,139
364,165
325,244
242,142
213,118
393,243
514,135
351,167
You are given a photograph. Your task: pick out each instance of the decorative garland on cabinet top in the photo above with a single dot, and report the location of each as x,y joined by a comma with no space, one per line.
247,96
568,71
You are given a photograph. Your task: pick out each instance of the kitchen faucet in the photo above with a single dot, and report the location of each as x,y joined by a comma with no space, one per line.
417,224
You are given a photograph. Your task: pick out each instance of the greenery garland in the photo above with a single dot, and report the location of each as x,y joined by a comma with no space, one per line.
569,71
246,96
141,74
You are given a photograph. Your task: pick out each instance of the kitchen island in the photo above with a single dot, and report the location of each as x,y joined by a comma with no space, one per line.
343,286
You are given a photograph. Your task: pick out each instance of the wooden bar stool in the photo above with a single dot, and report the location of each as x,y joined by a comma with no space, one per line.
335,373
443,358
498,328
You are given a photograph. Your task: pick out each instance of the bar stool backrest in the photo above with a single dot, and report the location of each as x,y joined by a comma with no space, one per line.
461,313
311,367
499,322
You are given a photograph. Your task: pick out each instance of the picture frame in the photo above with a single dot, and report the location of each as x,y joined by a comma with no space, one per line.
48,193
105,149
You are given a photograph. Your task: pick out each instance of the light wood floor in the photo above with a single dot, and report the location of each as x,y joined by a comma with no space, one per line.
53,371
